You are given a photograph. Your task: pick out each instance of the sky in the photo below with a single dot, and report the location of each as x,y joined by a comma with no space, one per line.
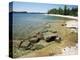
36,7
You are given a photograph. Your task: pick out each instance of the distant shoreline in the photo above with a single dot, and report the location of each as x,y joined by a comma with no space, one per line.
28,12
65,16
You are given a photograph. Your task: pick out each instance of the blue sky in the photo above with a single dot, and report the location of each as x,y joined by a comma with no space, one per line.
36,7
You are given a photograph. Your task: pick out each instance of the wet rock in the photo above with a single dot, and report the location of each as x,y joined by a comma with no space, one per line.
51,38
63,24
48,26
29,46
58,39
37,37
34,40
40,35
23,44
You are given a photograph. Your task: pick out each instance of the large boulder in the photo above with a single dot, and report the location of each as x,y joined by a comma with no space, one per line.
36,38
49,36
23,44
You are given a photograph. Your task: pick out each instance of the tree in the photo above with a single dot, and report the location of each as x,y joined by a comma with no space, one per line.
52,11
60,11
75,11
68,11
65,10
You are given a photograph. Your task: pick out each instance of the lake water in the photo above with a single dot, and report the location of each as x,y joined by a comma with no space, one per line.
24,23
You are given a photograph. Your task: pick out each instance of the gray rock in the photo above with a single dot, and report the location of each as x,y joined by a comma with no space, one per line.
51,38
34,40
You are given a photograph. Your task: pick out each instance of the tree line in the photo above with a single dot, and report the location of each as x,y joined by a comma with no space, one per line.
65,11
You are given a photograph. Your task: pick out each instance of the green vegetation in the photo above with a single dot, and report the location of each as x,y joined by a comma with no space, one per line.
64,11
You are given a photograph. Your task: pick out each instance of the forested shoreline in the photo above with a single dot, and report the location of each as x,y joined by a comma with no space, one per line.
64,11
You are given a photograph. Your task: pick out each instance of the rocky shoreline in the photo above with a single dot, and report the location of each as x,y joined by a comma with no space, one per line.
54,39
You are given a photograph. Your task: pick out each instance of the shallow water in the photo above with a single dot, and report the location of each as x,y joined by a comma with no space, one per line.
25,23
